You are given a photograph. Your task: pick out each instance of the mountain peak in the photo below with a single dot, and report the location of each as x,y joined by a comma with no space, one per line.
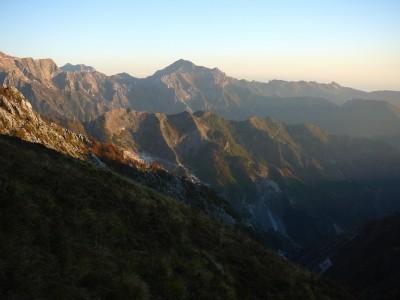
181,65
335,85
77,68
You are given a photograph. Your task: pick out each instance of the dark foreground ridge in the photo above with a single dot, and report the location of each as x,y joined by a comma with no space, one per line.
71,231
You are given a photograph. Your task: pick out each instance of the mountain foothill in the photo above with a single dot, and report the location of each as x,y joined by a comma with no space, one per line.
179,185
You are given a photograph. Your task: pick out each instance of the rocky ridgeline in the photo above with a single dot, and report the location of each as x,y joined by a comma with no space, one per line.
74,91
77,68
17,118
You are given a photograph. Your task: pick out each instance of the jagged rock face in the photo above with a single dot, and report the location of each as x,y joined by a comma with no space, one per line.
190,82
276,174
27,69
179,87
18,118
82,93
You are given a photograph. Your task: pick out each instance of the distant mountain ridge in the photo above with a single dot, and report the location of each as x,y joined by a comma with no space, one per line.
77,68
86,94
78,94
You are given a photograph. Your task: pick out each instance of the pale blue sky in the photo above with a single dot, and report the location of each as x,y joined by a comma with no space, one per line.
356,43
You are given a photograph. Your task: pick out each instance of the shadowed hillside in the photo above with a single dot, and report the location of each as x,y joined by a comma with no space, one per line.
72,231
296,180
366,259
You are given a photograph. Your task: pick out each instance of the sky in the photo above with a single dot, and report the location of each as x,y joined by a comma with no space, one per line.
355,43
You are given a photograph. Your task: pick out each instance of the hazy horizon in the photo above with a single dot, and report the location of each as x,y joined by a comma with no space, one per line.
355,44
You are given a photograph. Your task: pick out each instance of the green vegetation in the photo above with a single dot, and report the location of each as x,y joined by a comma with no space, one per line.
70,231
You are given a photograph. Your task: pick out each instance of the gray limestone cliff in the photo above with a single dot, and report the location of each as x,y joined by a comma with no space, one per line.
17,118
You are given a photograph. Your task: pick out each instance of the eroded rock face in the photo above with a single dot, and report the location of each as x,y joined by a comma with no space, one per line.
71,91
17,118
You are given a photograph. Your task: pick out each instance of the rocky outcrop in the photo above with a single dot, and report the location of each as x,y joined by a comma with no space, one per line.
72,91
26,70
17,118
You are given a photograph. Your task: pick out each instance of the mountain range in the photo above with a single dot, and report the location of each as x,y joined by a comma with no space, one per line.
80,92
294,166
261,166
296,180
266,170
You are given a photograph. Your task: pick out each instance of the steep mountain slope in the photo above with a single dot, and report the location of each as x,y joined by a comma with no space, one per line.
367,259
184,86
75,94
17,118
73,231
293,179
